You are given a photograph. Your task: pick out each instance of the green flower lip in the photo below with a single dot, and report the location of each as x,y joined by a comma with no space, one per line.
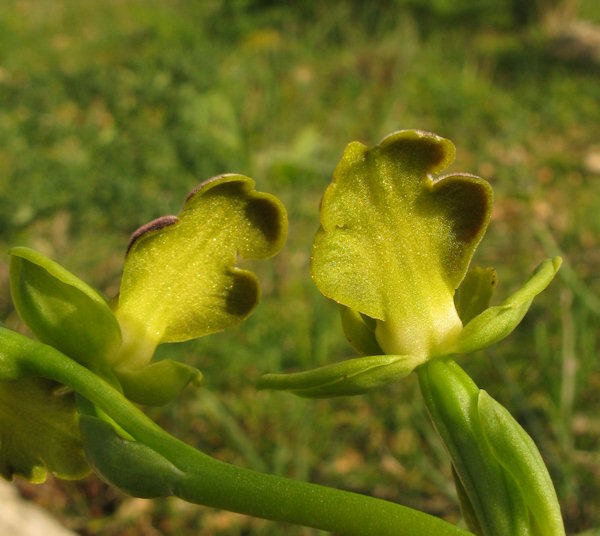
181,278
395,242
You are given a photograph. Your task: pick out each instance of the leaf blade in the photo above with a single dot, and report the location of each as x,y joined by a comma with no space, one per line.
517,453
128,465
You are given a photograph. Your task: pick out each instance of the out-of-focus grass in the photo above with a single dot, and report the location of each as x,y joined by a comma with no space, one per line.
111,111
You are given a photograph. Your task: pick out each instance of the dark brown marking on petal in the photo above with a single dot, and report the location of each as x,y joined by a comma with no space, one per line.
465,203
204,183
471,208
243,295
266,216
154,225
424,152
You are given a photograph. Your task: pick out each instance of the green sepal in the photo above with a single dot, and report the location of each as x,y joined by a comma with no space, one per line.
130,466
395,242
61,310
517,453
180,279
158,383
360,331
350,377
496,323
475,292
39,431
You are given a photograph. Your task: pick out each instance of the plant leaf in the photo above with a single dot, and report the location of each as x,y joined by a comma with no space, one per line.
516,452
39,432
451,398
496,323
475,292
158,383
180,280
350,377
466,507
132,467
394,243
62,310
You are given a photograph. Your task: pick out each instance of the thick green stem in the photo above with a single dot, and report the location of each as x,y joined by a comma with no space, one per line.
214,483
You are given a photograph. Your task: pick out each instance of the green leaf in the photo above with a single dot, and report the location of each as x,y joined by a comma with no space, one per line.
39,431
359,331
496,323
180,279
350,377
516,452
62,310
132,467
394,242
466,507
451,398
157,383
475,292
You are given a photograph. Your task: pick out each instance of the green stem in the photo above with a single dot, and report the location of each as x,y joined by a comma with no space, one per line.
217,484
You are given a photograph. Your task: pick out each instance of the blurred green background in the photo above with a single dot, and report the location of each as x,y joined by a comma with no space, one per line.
110,112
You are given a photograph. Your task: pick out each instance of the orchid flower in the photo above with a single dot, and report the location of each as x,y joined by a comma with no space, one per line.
180,281
393,249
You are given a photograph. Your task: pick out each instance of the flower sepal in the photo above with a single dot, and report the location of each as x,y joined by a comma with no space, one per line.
496,323
157,383
62,310
475,292
349,377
